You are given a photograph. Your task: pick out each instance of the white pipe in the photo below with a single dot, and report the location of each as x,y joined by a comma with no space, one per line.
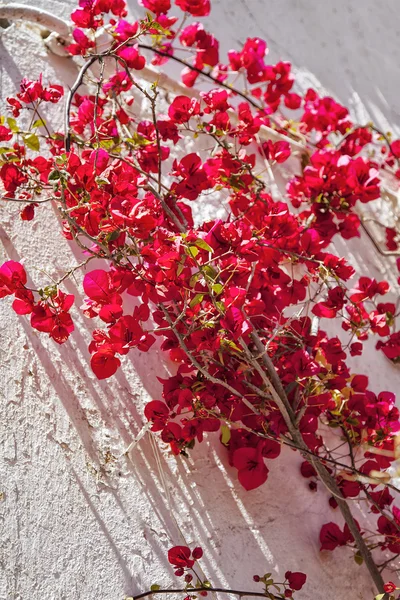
20,12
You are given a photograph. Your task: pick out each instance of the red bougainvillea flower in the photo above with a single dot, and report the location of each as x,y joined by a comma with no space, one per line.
82,43
53,93
194,178
156,6
125,30
12,177
5,134
331,536
31,91
252,471
157,412
252,59
391,347
182,558
132,58
395,148
52,316
104,363
28,212
183,108
197,8
278,151
197,553
368,288
296,579
392,238
179,556
389,587
389,528
324,114
12,277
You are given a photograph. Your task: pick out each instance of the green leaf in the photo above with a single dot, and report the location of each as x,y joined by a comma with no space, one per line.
225,434
379,596
202,244
113,235
60,160
106,144
54,175
194,279
102,181
39,123
3,150
138,140
220,306
231,345
217,288
160,28
358,558
196,300
32,141
209,271
192,251
12,123
16,159
155,587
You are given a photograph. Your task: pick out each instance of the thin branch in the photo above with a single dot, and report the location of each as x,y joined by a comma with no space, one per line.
327,479
202,370
188,591
201,72
71,93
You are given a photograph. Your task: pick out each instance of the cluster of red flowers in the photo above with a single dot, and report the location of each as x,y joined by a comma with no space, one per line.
217,292
183,560
125,331
33,91
331,185
48,314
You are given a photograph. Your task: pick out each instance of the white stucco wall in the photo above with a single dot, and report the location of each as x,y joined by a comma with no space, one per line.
79,520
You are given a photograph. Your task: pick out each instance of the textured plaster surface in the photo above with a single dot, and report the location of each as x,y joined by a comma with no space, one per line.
81,519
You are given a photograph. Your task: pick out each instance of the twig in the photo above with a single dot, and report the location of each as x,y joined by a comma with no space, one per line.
71,93
326,478
204,73
202,370
188,591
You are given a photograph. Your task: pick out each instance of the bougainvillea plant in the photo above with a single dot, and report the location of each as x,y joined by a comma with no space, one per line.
243,300
185,565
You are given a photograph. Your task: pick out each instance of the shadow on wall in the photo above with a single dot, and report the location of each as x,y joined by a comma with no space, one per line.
199,501
196,502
